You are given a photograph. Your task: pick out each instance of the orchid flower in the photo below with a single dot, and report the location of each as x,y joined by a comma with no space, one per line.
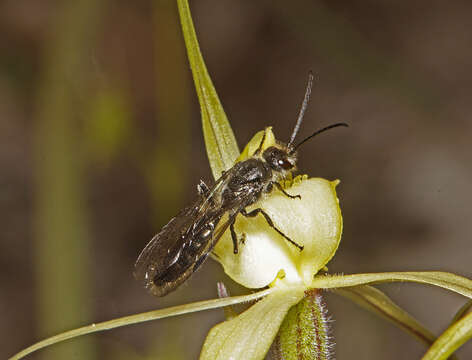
289,312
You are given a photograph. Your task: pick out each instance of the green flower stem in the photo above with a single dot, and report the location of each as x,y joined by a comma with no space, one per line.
221,145
304,334
142,317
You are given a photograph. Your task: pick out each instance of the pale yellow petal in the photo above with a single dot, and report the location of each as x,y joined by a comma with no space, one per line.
249,336
314,222
255,142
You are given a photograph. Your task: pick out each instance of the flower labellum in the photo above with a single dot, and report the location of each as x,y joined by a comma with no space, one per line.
314,221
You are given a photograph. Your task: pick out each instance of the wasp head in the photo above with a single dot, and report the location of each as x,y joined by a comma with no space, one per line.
280,159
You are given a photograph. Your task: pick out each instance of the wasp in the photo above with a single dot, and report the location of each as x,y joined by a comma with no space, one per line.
182,245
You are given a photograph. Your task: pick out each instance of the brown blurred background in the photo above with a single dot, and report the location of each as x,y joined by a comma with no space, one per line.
100,144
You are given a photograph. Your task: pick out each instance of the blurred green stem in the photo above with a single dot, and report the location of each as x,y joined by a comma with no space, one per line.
61,239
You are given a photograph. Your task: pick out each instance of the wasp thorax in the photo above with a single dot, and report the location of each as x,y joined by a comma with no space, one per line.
279,159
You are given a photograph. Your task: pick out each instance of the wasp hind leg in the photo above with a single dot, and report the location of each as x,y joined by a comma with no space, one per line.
234,237
257,211
278,186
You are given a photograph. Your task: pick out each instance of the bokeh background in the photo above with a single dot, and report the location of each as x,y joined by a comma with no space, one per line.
100,144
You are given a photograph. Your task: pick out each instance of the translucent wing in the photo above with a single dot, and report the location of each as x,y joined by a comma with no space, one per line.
165,248
183,244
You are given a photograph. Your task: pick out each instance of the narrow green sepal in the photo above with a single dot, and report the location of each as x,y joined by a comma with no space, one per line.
463,311
451,339
374,300
221,145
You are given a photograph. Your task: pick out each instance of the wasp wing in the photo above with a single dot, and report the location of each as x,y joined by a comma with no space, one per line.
188,262
183,244
165,247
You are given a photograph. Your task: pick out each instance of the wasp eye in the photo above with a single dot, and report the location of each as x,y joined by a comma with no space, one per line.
285,164
277,159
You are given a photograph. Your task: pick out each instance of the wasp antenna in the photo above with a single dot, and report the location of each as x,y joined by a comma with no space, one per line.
306,99
316,133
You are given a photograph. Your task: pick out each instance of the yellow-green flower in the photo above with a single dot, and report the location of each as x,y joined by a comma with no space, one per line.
314,221
288,276
267,259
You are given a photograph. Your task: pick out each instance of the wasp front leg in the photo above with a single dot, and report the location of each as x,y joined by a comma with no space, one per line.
258,211
278,186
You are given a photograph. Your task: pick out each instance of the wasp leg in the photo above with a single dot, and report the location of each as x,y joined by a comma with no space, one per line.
284,192
234,237
203,189
255,212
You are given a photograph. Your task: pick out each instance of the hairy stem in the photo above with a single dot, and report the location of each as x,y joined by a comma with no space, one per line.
304,334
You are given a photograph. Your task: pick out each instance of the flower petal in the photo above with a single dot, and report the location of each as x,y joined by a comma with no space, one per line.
221,145
250,335
143,317
463,311
255,142
313,221
453,282
377,302
450,340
